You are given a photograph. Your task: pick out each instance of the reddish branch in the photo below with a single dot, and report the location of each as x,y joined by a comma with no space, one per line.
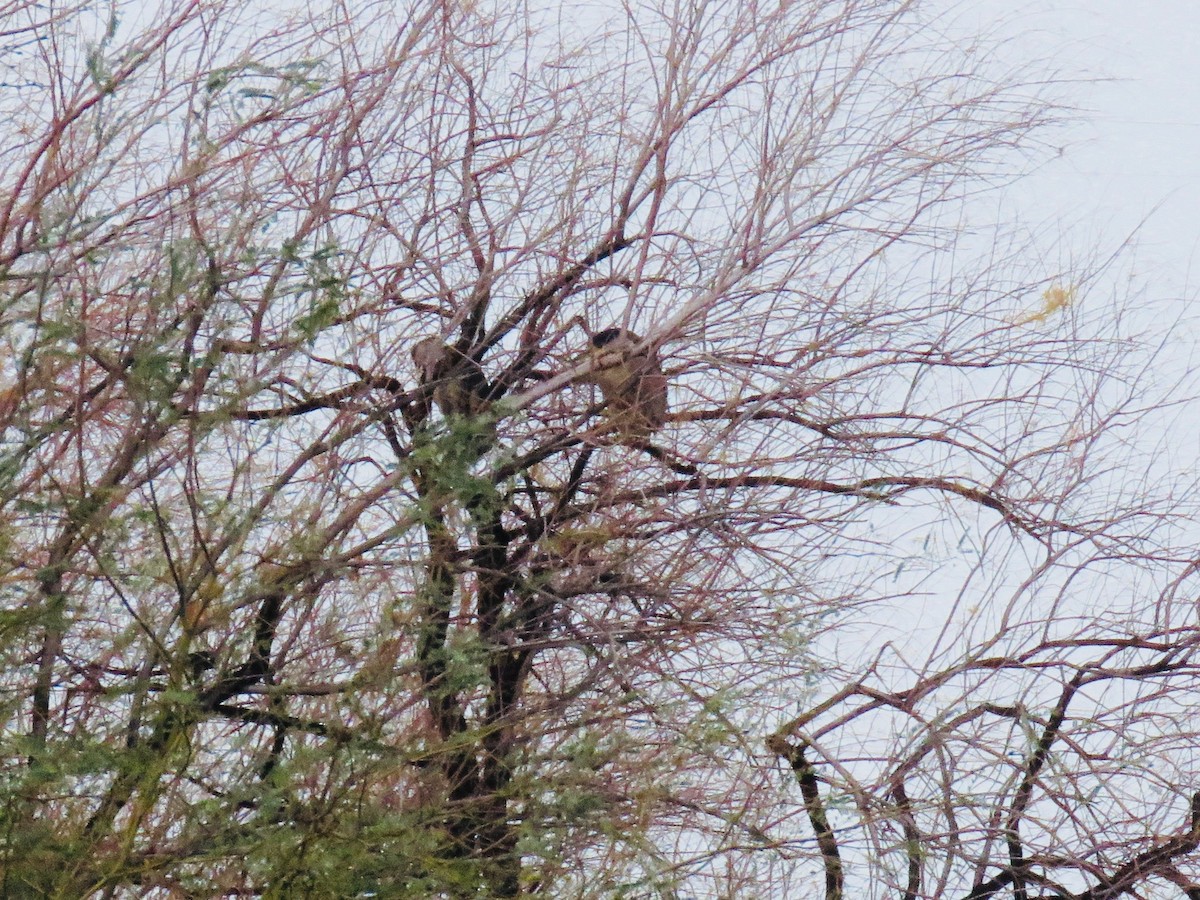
1155,861
1158,861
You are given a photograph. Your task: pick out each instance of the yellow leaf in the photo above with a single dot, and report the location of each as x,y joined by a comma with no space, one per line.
1054,299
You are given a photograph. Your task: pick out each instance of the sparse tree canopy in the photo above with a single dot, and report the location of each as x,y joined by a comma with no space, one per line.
295,605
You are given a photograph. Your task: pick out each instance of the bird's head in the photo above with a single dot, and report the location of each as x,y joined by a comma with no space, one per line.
615,339
612,346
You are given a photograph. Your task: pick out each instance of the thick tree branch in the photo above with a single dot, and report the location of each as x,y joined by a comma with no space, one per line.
806,775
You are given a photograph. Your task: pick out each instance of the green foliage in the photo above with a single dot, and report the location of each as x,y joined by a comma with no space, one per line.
465,660
447,456
98,66
322,312
262,81
37,848
33,853
320,285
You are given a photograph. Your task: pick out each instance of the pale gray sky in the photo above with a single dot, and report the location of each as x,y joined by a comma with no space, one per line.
1135,153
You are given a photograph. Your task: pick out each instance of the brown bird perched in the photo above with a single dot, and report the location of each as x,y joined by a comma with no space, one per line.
459,386
631,380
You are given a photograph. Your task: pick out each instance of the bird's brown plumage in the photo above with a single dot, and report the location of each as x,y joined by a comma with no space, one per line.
631,380
459,386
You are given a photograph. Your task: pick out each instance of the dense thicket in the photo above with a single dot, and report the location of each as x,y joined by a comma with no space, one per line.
884,607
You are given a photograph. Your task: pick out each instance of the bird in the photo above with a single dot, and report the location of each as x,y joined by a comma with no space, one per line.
632,381
459,385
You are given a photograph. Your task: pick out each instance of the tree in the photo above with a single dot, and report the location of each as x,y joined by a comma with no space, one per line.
288,612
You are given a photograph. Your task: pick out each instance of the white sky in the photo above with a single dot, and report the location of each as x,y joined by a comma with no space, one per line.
1129,171
1135,153
1130,168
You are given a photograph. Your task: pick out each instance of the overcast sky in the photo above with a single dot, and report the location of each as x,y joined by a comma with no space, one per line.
1130,167
1135,153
